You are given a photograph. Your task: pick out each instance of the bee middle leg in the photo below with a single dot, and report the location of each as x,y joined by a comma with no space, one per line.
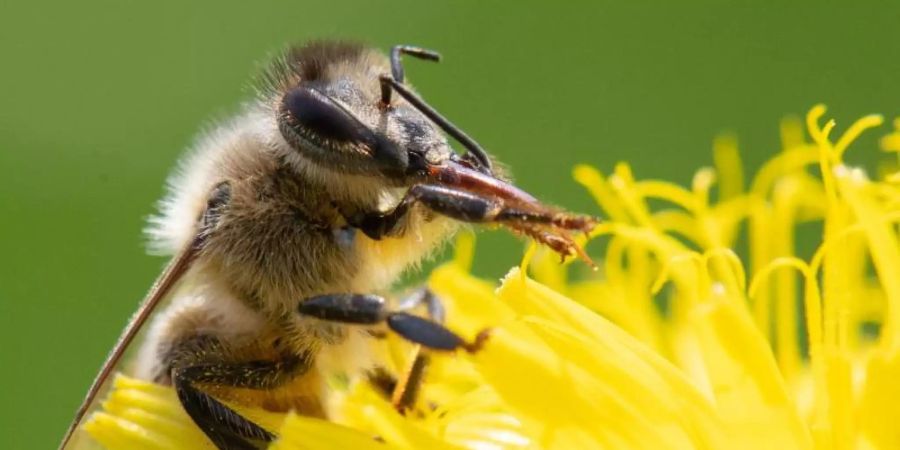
367,309
364,309
199,362
425,296
405,390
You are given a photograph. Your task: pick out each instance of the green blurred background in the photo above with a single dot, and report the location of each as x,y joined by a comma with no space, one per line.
99,98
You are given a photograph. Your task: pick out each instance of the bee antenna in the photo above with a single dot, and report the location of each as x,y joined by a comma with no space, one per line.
418,52
388,83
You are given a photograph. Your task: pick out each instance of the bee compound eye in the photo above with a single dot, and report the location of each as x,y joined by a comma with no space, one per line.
314,113
317,117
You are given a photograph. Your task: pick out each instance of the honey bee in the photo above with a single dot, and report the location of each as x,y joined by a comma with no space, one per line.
287,221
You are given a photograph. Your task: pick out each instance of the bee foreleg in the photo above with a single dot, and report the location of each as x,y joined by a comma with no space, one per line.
225,427
454,203
363,309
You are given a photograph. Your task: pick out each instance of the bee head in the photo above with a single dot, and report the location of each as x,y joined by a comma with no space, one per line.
330,110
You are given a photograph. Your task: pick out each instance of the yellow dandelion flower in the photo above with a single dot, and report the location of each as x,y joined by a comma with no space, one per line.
673,344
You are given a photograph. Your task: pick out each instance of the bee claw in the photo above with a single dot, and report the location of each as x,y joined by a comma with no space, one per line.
478,343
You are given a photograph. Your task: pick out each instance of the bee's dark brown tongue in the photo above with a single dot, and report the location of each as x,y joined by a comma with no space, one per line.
454,174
